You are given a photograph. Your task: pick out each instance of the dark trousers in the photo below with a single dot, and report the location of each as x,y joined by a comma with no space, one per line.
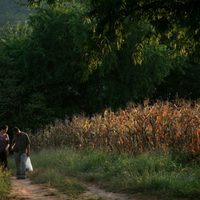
20,162
4,159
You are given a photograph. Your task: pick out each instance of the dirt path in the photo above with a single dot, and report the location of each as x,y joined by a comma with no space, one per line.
25,190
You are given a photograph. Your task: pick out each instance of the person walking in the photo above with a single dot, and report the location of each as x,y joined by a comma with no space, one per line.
21,148
4,145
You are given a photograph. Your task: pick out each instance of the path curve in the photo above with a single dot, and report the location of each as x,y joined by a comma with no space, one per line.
24,189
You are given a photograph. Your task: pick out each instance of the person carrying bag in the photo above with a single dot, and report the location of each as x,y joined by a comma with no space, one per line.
21,147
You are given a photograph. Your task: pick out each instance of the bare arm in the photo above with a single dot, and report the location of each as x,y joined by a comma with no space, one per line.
8,142
28,149
7,147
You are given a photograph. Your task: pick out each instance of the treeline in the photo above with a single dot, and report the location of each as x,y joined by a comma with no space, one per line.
58,64
12,11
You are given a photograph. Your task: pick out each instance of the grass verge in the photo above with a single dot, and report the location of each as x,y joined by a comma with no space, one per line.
149,173
4,184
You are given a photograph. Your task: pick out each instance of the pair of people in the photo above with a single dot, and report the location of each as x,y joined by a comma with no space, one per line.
20,147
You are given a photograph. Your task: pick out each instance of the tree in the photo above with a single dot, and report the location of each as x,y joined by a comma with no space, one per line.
42,67
126,75
18,103
70,59
111,14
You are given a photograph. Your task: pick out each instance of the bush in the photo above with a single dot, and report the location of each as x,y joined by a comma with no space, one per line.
4,184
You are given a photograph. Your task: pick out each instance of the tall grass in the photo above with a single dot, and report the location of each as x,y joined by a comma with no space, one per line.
151,173
124,149
138,128
4,184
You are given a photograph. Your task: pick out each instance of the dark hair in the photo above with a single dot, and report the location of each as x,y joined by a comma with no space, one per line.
3,127
16,129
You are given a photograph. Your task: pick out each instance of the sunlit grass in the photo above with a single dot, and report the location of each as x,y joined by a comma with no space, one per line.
152,173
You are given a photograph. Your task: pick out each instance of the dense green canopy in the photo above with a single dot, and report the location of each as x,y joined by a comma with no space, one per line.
84,56
163,14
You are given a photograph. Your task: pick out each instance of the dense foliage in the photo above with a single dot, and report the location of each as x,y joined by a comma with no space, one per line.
68,58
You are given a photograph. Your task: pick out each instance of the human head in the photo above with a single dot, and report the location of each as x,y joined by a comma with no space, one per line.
4,128
16,130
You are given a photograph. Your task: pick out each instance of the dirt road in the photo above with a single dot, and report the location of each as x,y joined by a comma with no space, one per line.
25,190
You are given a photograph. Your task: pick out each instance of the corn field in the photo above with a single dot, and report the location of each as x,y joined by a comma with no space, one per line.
138,128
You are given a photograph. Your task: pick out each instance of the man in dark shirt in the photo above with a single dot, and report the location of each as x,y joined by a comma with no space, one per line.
21,148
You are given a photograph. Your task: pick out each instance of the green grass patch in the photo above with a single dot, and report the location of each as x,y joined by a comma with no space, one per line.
51,176
148,173
4,184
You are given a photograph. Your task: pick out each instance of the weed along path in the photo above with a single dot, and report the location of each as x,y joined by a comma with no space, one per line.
25,190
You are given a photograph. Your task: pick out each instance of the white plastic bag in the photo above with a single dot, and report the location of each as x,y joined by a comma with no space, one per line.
29,166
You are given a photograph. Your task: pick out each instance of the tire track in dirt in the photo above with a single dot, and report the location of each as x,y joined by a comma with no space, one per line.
24,189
